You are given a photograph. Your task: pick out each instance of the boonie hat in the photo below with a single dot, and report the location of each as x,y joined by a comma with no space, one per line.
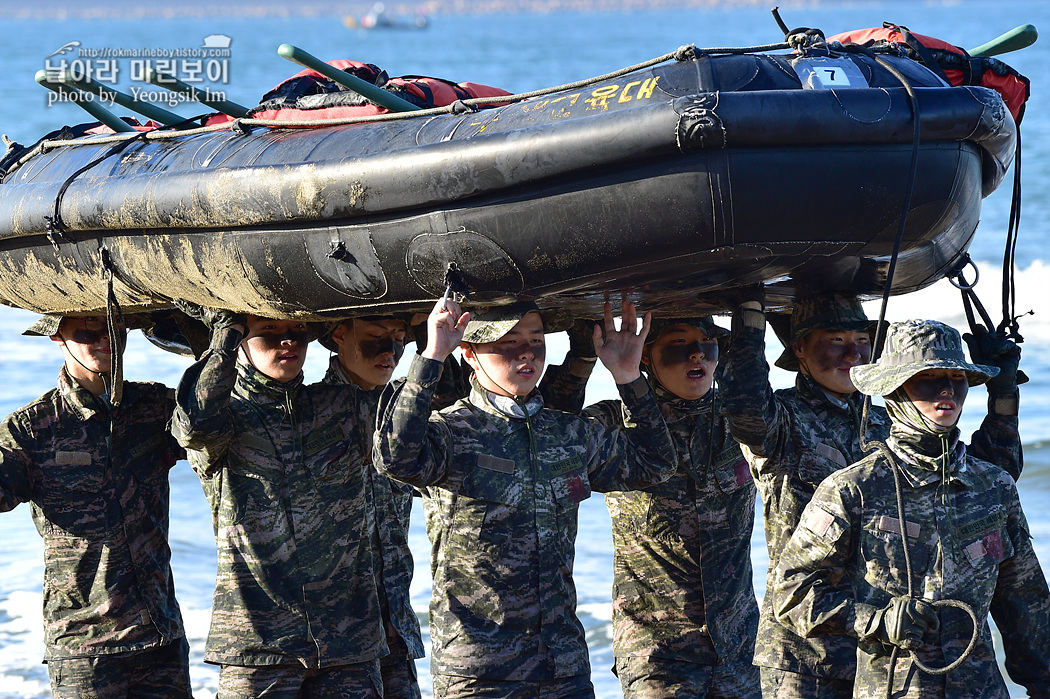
914,346
492,323
48,325
826,311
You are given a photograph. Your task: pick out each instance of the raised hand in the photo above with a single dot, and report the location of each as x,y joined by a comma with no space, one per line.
621,350
445,327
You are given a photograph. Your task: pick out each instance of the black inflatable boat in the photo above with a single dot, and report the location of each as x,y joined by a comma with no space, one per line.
681,181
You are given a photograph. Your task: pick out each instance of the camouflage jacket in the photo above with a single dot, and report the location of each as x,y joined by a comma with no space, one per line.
392,557
793,439
97,481
283,469
968,540
501,495
683,586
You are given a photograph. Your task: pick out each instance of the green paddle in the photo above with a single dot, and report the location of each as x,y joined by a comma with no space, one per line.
351,82
86,102
205,97
1013,40
146,109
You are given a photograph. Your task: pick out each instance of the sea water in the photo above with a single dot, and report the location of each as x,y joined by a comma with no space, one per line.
517,51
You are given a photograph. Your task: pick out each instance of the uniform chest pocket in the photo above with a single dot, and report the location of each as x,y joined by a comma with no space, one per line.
79,471
883,555
148,460
731,470
817,464
988,550
493,500
329,454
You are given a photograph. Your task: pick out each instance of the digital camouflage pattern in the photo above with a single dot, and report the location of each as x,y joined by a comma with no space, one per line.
155,672
968,540
793,439
99,499
357,681
836,311
683,582
283,468
911,347
491,323
501,495
392,556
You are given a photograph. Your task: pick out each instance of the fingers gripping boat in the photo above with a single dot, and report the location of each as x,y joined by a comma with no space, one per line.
682,180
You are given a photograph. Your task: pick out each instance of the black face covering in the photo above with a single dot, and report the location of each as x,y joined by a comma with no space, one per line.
680,353
371,349
273,340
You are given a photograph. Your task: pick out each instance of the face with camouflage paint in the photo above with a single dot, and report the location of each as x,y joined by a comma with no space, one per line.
939,394
86,342
277,348
827,355
510,366
683,360
369,350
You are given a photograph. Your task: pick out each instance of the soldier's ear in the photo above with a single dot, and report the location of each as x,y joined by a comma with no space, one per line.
646,355
469,356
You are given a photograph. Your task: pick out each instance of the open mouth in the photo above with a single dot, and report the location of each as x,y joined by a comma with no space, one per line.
946,407
288,357
526,372
698,373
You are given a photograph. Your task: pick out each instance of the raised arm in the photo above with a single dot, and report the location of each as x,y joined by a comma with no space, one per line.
202,421
409,446
564,386
755,418
998,440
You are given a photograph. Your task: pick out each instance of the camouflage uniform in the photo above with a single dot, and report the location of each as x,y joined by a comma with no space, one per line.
501,496
968,540
97,481
793,439
392,558
684,609
283,469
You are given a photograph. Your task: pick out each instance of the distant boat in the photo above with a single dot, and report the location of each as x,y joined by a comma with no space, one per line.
682,181
379,18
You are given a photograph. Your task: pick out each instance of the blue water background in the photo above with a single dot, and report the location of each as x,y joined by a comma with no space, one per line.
520,52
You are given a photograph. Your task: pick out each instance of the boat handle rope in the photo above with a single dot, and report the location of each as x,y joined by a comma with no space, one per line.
244,125
114,319
895,470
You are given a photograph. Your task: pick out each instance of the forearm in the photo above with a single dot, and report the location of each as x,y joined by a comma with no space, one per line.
745,392
998,440
564,386
408,446
202,414
641,453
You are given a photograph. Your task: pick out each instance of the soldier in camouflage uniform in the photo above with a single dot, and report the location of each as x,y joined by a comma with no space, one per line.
96,477
796,437
502,480
684,610
367,351
846,568
296,611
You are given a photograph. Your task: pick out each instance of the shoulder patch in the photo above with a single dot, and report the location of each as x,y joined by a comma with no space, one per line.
495,463
73,458
817,520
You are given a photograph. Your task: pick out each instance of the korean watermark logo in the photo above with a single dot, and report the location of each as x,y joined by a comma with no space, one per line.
205,67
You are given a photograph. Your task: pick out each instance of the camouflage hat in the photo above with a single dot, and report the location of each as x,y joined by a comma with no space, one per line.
45,326
322,332
492,323
827,311
48,325
914,346
706,324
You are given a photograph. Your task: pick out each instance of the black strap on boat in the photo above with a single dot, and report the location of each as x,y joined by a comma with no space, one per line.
902,223
56,227
925,55
114,321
